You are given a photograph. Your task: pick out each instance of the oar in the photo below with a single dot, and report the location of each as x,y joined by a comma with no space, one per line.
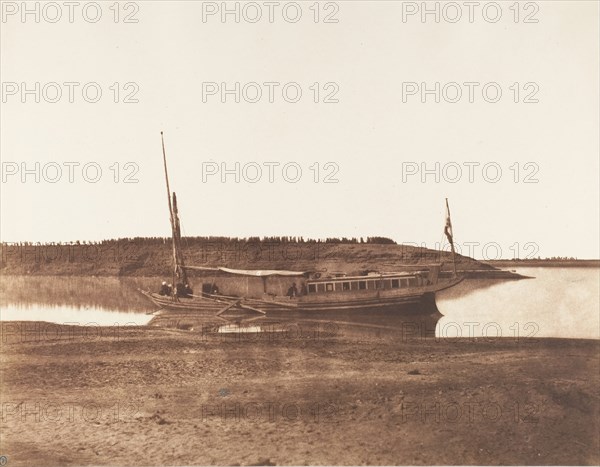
214,298
247,307
231,305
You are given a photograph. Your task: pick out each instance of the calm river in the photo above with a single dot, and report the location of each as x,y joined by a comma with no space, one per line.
558,302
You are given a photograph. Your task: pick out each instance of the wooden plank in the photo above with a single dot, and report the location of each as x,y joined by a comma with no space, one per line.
231,305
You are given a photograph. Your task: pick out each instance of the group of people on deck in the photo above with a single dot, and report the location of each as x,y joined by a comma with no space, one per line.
181,290
293,291
185,291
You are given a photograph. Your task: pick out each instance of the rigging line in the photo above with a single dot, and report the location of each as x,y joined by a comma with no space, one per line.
183,231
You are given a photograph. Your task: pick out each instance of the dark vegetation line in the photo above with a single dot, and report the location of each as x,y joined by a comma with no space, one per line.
150,256
202,240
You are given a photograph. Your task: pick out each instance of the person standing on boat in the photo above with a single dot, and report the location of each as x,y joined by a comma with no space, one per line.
180,289
183,290
164,289
292,291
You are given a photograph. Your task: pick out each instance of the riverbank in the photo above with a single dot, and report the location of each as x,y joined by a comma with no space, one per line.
157,396
153,257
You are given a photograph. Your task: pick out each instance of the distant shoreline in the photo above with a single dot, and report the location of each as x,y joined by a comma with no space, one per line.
544,263
153,257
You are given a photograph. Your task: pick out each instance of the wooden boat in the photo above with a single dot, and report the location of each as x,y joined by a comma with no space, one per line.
281,291
342,293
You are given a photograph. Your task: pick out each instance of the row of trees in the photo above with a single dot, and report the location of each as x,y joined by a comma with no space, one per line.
190,241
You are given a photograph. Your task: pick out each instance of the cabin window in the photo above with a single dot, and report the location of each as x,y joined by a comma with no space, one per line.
312,288
354,285
372,285
387,284
320,287
362,285
345,285
338,286
329,287
412,282
395,284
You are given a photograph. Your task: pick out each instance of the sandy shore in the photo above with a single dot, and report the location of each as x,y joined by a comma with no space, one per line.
154,396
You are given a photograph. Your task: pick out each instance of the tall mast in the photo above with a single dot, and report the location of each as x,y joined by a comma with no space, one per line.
176,266
449,235
167,177
180,270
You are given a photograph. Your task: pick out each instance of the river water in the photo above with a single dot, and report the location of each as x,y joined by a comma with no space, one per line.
557,302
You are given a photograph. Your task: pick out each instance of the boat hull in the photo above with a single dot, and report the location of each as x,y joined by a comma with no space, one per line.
409,299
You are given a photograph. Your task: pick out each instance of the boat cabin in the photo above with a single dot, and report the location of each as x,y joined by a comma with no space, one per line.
370,282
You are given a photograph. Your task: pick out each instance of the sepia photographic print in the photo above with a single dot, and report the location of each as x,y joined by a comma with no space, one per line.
257,233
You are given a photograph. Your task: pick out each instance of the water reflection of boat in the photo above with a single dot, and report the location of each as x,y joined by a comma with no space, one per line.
419,323
263,291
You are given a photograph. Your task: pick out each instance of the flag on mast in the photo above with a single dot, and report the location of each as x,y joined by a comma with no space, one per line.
450,236
448,227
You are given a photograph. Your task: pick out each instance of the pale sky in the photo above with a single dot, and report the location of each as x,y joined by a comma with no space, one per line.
372,137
